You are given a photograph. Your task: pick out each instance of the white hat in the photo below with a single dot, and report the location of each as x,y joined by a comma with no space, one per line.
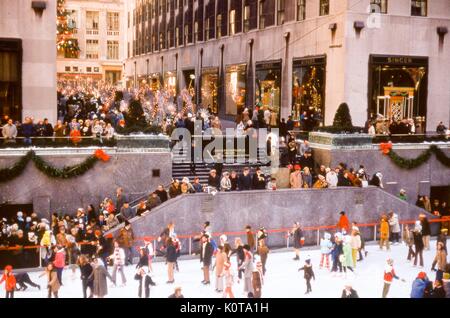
45,221
189,115
20,214
28,219
223,237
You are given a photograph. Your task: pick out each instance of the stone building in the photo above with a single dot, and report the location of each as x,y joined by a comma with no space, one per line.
100,34
27,59
386,57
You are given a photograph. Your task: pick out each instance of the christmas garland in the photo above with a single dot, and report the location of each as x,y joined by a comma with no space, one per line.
410,164
8,174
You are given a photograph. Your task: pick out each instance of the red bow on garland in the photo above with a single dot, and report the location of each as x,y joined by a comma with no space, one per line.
101,155
386,147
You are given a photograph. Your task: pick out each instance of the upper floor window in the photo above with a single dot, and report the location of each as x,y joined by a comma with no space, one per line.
262,19
113,50
378,6
196,31
419,8
186,34
177,36
324,7
232,22
219,26
91,20
72,20
207,29
301,10
280,12
92,49
113,21
246,18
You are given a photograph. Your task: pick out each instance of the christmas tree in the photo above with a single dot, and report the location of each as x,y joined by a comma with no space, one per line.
64,31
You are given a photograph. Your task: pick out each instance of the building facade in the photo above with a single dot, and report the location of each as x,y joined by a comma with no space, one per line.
383,57
100,33
27,59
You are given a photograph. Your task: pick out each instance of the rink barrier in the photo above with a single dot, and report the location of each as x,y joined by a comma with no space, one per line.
285,231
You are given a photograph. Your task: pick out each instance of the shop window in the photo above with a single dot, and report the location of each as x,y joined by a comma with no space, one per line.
92,22
280,12
398,91
209,92
96,69
324,7
235,81
10,78
268,89
379,6
419,8
301,10
308,91
170,82
196,32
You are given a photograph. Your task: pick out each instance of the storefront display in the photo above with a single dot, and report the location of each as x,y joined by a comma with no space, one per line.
170,83
398,86
235,78
209,85
268,88
155,81
308,87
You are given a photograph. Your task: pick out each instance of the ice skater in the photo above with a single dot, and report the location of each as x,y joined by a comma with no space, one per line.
325,250
10,281
229,280
308,274
22,279
389,275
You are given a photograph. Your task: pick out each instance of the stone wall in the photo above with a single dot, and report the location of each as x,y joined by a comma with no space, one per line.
130,170
232,211
416,182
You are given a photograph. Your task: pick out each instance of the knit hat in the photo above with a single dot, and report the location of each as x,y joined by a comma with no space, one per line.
8,268
422,275
20,214
297,167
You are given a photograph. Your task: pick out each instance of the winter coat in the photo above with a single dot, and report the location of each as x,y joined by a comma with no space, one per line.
60,259
295,180
248,265
332,179
394,224
251,239
221,258
384,230
389,274
262,252
244,182
325,246
126,237
355,242
343,223
348,260
441,259
118,256
308,271
171,254
98,276
10,281
86,271
418,241
206,253
257,284
9,131
426,230
162,195
418,288
438,293
53,281
408,237
298,235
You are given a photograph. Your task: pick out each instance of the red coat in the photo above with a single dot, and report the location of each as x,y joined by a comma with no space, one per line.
60,259
343,223
10,282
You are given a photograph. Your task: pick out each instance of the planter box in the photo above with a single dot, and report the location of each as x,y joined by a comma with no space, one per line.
340,140
143,141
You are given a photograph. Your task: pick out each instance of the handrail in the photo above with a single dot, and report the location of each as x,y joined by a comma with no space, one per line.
217,234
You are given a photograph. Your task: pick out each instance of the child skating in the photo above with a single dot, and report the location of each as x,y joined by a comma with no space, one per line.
308,274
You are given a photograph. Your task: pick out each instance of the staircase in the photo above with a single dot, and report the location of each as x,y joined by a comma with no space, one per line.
181,166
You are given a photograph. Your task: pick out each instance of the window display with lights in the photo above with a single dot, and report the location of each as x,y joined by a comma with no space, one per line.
308,87
209,85
170,83
268,88
398,89
235,89
155,81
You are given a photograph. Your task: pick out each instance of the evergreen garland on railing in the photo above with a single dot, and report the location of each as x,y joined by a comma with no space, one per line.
410,164
8,174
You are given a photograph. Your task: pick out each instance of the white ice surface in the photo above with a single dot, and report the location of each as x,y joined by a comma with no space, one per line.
282,279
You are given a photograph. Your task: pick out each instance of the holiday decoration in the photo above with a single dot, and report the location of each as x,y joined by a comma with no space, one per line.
410,164
8,174
342,118
64,32
386,147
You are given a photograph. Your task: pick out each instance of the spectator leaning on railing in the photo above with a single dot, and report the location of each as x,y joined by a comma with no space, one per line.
9,131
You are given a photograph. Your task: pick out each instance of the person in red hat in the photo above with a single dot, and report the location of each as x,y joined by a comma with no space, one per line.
10,281
421,286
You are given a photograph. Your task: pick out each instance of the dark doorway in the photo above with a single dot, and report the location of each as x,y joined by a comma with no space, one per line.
9,211
440,193
11,78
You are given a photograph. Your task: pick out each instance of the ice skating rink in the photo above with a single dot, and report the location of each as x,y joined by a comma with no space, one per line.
282,279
